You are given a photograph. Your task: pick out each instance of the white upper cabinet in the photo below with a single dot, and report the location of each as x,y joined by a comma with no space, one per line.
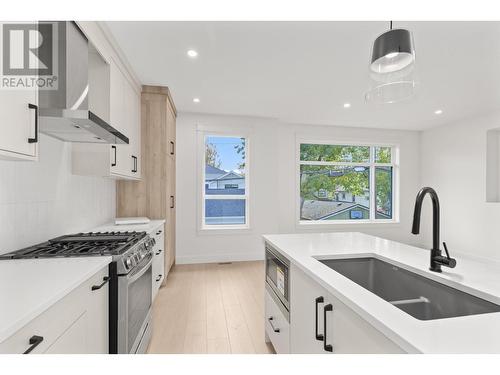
120,111
18,122
121,161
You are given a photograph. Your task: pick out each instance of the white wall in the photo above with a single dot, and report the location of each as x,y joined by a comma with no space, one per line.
273,183
454,163
41,200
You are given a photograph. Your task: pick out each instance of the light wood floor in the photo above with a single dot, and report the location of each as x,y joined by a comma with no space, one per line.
211,308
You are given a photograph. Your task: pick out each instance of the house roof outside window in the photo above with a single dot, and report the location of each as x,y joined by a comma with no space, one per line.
216,174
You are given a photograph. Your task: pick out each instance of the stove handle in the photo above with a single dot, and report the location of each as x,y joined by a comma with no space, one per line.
105,279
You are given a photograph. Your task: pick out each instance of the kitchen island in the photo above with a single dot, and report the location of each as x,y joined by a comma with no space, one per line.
360,321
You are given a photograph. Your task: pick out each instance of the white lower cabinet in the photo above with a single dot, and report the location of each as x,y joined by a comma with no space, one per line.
159,258
312,307
73,340
77,324
277,325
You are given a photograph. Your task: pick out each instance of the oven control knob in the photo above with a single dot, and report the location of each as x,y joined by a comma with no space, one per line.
129,262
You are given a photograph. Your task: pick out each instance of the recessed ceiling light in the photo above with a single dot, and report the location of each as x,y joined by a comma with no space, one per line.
196,100
192,53
438,112
347,105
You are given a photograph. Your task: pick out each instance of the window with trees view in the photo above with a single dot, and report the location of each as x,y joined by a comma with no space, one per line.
225,190
346,183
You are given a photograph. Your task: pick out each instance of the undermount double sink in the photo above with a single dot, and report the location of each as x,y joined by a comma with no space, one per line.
422,298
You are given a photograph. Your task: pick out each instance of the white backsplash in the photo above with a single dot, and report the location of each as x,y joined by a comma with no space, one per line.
41,200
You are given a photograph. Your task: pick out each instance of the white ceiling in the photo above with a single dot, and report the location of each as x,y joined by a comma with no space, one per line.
305,71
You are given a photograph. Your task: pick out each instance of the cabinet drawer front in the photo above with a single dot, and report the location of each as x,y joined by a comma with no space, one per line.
53,322
159,258
159,248
277,326
158,270
159,235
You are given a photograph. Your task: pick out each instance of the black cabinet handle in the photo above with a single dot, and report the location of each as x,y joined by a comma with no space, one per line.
318,335
271,319
158,278
105,279
172,148
113,164
326,347
134,169
34,342
172,201
35,107
159,252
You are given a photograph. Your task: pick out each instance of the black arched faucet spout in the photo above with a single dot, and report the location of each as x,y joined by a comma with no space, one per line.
437,259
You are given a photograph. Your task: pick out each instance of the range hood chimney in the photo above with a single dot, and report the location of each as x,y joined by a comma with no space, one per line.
65,113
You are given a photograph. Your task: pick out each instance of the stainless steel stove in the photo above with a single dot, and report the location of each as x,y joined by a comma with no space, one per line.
130,274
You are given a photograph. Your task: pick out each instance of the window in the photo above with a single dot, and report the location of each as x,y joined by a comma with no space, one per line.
349,183
225,182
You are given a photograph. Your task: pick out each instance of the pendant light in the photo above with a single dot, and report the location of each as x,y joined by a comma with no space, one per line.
392,51
392,73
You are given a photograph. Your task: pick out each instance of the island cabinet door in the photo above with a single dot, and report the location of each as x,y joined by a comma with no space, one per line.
312,308
306,322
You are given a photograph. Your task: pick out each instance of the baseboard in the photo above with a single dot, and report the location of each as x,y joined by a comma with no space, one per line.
236,257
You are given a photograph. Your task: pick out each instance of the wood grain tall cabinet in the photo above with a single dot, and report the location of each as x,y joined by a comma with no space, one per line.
154,195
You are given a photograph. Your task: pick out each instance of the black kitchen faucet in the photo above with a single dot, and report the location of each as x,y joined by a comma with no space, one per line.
437,260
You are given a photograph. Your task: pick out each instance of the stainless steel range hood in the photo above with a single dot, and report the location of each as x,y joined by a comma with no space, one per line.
65,113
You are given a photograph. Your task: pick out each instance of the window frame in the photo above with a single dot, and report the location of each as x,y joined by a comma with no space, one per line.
371,165
202,226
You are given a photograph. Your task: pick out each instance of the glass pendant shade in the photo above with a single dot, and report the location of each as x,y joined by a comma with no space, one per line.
392,51
392,92
392,87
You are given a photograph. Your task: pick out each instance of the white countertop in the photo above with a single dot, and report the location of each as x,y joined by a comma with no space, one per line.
28,287
466,334
112,227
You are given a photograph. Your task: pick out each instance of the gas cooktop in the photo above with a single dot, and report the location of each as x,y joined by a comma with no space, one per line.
80,244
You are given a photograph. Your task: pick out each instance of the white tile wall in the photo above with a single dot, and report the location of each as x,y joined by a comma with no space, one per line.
41,200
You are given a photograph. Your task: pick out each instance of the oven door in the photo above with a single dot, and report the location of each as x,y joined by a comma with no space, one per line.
134,307
277,268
